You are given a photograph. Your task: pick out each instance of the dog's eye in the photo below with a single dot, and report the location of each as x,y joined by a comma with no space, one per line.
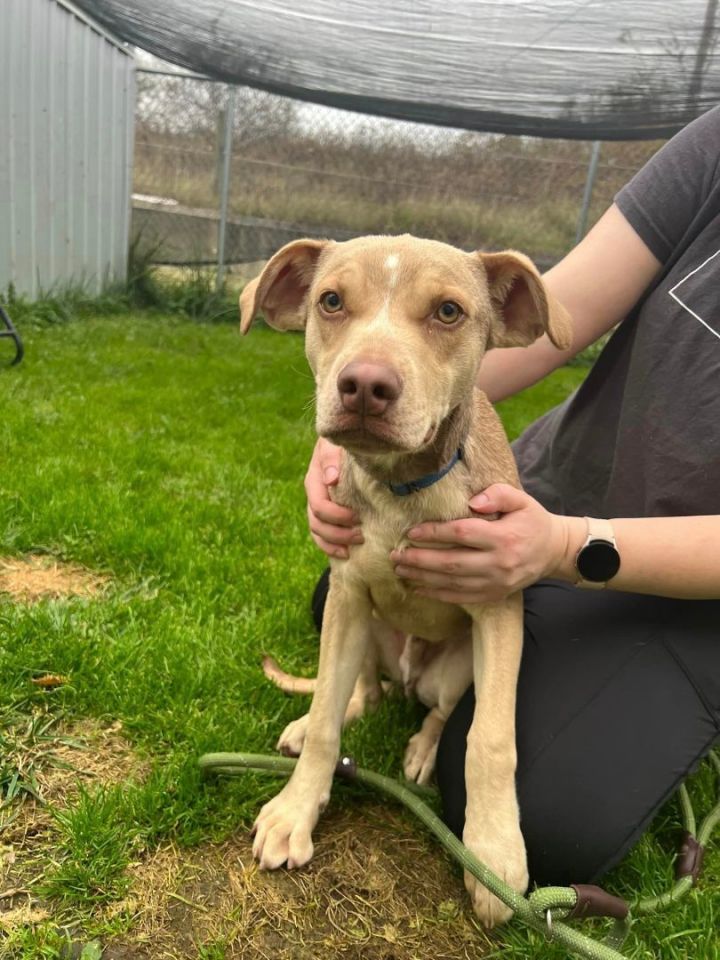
448,311
331,302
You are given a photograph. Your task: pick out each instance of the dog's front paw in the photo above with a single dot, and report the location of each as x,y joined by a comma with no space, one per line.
419,761
504,854
283,832
292,739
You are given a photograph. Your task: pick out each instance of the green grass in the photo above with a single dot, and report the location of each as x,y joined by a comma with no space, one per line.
170,455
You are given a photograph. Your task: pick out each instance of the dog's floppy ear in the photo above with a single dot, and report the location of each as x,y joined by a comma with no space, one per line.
279,292
522,308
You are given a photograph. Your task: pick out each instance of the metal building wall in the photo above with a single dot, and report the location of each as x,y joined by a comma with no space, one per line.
67,100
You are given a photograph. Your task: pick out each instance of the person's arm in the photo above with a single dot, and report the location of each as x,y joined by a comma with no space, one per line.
664,556
598,283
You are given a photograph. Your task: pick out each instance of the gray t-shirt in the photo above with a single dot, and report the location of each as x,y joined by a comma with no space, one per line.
641,436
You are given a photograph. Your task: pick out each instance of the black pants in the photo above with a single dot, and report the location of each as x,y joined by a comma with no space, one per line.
618,700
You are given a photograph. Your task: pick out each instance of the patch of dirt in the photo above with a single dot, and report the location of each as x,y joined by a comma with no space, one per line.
41,578
377,889
59,762
79,755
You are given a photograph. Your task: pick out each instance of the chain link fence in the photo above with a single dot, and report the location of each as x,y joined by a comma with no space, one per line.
226,175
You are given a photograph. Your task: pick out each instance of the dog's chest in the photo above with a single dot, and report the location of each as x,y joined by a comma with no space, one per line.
385,526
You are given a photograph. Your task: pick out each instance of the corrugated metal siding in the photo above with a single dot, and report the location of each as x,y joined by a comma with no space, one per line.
67,100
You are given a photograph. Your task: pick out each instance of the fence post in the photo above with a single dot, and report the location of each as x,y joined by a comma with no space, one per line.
587,195
220,126
225,186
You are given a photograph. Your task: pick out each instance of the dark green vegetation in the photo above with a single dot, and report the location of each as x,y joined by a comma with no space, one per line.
169,455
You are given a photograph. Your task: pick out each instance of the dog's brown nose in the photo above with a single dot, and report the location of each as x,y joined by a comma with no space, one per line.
368,388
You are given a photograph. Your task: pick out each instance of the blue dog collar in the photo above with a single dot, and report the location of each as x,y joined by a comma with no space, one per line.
405,489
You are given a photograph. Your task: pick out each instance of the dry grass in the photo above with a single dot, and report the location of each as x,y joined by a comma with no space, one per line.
376,890
78,756
71,758
44,578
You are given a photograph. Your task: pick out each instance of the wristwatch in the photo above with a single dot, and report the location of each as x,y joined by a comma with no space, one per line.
598,559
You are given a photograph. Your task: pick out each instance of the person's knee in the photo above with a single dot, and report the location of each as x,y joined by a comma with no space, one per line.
564,846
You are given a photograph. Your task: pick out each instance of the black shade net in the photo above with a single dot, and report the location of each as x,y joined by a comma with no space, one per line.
612,70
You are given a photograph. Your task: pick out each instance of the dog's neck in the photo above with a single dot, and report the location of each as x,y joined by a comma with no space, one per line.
399,469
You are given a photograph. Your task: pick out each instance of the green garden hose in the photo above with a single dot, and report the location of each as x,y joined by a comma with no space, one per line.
544,909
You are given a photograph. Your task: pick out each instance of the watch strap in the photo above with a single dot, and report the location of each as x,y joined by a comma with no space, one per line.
600,530
597,529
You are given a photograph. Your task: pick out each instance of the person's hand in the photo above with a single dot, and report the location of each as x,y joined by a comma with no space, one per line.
489,559
332,527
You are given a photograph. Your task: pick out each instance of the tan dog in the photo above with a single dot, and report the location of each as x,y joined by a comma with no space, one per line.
396,329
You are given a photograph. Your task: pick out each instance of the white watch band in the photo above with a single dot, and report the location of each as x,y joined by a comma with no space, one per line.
600,530
597,529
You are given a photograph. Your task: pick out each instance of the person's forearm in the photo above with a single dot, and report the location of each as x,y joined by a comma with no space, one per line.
666,556
508,371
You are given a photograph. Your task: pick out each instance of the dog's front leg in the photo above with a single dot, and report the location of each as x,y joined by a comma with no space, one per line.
492,820
283,829
366,695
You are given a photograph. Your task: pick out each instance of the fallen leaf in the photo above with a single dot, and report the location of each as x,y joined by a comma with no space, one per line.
50,680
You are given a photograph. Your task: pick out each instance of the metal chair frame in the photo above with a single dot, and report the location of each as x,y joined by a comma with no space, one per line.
11,332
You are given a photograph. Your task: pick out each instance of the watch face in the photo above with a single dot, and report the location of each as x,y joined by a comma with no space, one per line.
598,561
